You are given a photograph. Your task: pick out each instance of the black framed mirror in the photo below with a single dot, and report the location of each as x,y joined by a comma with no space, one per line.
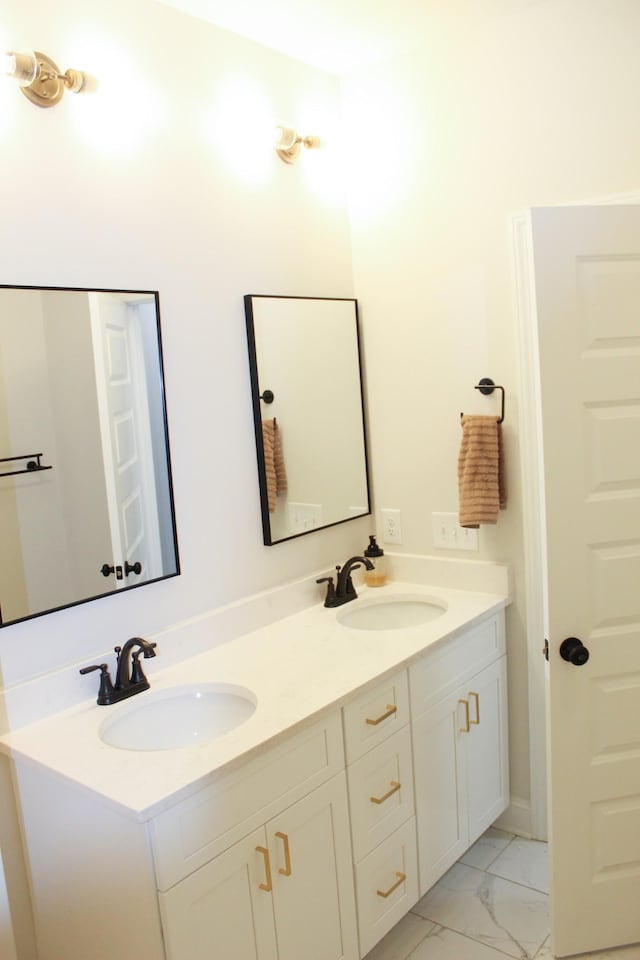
86,499
306,382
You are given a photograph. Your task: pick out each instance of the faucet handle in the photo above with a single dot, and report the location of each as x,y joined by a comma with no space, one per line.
95,666
331,592
105,691
137,673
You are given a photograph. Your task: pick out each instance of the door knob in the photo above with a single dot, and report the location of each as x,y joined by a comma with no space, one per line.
574,651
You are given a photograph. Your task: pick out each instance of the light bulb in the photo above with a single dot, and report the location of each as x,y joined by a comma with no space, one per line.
22,66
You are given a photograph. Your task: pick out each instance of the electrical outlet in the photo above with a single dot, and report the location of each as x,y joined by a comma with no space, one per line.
391,526
449,535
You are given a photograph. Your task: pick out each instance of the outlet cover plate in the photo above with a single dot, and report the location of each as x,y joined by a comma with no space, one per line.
391,525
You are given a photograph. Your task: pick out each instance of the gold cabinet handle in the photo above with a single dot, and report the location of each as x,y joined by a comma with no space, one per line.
391,709
395,786
466,728
267,869
476,697
387,893
286,872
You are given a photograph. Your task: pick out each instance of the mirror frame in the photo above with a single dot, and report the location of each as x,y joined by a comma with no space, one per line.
167,449
268,539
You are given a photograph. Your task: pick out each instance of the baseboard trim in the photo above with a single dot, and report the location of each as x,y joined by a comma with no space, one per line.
517,819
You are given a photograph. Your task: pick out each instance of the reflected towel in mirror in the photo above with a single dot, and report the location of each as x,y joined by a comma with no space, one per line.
481,480
273,462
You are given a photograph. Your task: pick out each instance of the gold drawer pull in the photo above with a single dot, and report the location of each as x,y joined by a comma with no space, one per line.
467,728
391,709
395,786
476,697
267,869
286,872
387,893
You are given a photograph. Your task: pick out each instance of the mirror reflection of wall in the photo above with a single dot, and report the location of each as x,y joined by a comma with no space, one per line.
306,351
81,383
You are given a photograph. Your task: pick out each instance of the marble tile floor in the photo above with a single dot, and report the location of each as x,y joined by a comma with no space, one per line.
490,905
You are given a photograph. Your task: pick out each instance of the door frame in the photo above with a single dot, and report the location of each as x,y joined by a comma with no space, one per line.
532,470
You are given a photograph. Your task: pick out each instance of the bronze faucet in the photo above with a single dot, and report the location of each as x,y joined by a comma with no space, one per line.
344,590
130,678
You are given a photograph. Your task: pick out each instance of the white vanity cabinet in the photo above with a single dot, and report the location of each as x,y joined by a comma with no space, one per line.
310,846
459,723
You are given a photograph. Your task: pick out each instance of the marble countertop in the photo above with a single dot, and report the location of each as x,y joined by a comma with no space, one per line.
296,668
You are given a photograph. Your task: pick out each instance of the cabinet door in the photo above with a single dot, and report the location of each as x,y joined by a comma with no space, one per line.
313,896
439,771
486,748
461,770
221,910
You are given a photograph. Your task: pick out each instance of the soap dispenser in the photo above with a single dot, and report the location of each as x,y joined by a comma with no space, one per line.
378,576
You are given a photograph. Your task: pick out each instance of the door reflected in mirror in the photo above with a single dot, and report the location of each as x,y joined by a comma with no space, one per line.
82,386
304,358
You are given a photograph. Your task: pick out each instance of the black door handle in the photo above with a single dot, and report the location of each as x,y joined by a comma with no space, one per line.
574,651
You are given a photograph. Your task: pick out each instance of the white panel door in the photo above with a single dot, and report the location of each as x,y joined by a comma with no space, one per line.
587,277
126,442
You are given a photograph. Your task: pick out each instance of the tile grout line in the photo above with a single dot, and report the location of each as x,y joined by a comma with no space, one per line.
441,926
498,876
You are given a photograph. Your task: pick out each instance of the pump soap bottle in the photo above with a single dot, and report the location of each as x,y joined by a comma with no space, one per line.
378,576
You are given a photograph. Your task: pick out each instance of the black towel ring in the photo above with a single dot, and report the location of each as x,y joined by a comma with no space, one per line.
486,387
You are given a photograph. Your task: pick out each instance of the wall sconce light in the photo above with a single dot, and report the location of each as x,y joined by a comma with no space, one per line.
288,144
39,78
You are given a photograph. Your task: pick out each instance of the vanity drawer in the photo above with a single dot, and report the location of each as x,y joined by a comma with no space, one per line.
386,885
442,670
380,792
190,834
375,715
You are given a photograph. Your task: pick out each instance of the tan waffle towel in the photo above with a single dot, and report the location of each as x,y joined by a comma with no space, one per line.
273,462
481,483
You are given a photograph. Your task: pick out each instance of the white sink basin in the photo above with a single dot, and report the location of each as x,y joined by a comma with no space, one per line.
178,717
391,613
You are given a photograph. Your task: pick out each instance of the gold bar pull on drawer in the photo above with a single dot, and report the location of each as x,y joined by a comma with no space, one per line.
286,872
391,709
466,728
387,893
267,869
395,786
476,698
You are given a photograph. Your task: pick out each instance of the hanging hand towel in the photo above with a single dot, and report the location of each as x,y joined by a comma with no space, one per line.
273,462
481,482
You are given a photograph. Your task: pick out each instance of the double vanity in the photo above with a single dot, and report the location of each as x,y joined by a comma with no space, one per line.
288,794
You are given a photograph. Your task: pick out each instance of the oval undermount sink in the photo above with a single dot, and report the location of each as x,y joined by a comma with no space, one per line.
178,717
392,613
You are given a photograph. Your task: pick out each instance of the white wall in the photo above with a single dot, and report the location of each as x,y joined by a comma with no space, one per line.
532,109
134,188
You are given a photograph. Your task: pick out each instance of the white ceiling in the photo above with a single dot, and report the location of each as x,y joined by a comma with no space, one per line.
338,35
